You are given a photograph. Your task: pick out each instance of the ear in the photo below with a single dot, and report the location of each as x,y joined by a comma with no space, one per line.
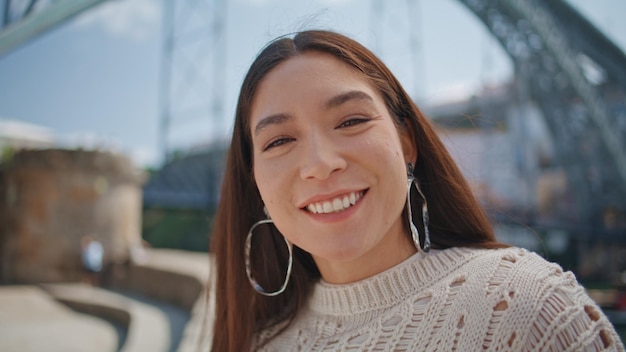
407,140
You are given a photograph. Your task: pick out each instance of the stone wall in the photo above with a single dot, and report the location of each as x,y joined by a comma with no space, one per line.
50,199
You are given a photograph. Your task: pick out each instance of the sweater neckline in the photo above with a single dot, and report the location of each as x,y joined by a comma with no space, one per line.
390,287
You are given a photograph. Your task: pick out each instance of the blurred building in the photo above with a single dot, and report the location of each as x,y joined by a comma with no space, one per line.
189,180
504,148
21,135
51,198
501,145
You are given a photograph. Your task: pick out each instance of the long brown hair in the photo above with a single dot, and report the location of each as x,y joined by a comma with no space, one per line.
456,219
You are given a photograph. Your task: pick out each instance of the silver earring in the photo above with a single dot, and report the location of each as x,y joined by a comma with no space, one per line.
411,180
247,250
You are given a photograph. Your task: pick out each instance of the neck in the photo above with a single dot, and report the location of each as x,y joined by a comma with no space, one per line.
380,258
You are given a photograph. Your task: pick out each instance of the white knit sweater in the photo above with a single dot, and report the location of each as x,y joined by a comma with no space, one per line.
457,299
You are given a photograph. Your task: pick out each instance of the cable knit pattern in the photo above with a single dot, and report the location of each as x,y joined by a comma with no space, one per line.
457,299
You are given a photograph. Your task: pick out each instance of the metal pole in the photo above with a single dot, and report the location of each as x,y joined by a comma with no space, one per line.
166,72
34,24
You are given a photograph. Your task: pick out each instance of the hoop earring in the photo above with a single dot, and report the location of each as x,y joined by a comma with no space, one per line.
411,180
247,250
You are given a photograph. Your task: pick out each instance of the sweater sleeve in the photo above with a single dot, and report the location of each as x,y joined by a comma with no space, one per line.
564,317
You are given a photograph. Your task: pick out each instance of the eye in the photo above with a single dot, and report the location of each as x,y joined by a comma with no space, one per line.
353,122
277,143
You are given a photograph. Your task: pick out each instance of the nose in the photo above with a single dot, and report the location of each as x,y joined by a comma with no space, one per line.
321,158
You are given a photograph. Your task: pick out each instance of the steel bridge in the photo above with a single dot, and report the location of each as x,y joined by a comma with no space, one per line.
577,77
563,63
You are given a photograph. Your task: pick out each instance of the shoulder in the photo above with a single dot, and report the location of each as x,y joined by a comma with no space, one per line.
512,264
538,303
516,263
524,275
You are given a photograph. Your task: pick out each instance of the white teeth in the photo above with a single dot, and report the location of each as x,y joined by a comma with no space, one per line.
334,205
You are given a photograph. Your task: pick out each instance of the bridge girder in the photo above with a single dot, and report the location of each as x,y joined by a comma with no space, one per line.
25,24
551,46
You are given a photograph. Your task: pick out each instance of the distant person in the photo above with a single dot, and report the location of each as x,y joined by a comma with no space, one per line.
92,255
324,240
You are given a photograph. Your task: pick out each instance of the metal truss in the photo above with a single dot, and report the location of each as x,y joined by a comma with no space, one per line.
578,78
193,66
22,20
400,20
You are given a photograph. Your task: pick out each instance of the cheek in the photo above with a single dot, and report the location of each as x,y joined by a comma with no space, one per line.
261,179
385,149
268,182
391,164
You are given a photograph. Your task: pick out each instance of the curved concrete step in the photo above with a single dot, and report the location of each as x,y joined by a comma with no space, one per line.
148,328
31,320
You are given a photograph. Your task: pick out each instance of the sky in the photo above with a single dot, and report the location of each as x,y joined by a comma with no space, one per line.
95,80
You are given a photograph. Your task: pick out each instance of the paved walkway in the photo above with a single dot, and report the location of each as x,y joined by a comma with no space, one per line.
32,318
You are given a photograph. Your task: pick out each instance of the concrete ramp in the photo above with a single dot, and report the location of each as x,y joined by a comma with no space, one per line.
148,328
30,320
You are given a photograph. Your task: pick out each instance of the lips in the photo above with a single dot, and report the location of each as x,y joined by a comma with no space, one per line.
335,205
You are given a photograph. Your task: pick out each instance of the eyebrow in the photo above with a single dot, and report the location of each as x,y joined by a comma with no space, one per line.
345,97
271,120
331,103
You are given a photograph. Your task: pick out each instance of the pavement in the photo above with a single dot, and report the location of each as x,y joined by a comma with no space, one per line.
31,320
160,309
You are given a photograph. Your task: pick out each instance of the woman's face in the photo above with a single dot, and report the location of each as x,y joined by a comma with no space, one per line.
330,165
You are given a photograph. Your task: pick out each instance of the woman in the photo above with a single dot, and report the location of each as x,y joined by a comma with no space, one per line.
323,235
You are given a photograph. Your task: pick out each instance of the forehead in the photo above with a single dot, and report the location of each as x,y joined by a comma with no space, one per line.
311,64
306,80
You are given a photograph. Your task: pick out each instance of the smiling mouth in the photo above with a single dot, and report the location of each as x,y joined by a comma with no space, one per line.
336,204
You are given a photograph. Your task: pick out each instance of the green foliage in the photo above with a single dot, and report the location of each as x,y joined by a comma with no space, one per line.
150,171
177,229
6,154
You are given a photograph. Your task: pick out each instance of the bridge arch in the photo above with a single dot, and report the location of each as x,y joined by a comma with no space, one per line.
555,52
